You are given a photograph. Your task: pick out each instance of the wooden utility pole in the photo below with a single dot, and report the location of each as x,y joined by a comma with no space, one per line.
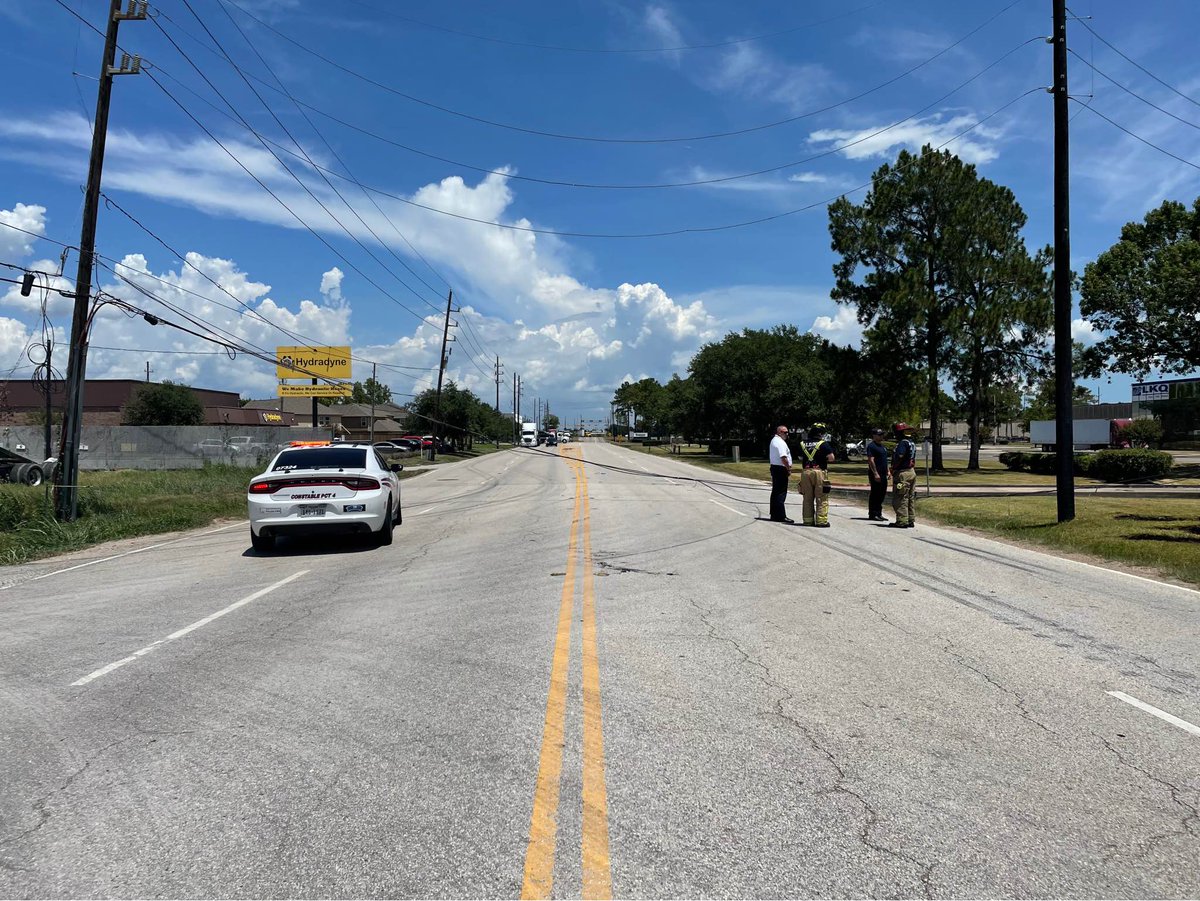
374,384
1064,381
66,501
437,397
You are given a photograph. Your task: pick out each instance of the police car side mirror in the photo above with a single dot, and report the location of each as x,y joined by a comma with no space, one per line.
396,467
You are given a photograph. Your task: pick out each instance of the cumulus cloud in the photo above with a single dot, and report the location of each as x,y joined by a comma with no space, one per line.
1084,331
977,146
15,245
841,328
331,285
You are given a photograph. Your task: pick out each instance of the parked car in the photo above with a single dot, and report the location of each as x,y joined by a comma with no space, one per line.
325,489
421,440
213,447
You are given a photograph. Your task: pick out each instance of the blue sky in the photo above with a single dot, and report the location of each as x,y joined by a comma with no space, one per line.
578,93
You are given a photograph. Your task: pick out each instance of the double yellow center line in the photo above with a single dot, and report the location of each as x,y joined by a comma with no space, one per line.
543,825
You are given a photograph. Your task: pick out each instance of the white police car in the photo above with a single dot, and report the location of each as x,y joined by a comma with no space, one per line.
321,489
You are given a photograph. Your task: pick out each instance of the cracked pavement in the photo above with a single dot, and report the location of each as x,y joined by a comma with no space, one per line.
851,712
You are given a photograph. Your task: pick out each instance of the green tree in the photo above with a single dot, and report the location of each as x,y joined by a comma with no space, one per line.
550,421
1042,405
371,391
746,384
1002,305
1144,292
167,403
923,258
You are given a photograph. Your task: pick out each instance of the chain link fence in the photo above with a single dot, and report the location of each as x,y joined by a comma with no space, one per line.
162,447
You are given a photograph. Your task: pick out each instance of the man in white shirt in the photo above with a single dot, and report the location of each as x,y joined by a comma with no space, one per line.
781,469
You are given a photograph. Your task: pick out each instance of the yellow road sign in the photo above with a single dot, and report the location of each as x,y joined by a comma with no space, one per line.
307,362
316,390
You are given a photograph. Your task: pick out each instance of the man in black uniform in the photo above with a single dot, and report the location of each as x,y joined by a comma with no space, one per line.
877,472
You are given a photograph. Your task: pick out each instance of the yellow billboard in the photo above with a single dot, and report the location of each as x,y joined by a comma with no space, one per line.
310,362
321,390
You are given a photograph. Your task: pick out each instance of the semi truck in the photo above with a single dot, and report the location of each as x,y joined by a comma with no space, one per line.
1088,434
529,436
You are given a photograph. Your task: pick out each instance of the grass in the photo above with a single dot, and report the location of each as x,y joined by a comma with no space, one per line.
124,504
954,474
1160,534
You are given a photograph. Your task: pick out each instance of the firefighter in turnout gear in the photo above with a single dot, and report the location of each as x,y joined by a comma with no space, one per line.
815,456
904,477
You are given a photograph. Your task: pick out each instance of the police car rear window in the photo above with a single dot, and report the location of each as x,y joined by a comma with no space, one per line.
321,458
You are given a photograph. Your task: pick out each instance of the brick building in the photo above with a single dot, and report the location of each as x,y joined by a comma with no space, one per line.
104,400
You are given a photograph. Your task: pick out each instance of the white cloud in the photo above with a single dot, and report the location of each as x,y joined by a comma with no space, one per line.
841,328
748,71
976,146
658,22
14,338
808,178
15,245
545,322
331,285
1084,331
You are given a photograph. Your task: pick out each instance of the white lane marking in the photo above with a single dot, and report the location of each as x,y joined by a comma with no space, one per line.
1118,572
429,510
1154,711
643,468
151,547
105,670
730,509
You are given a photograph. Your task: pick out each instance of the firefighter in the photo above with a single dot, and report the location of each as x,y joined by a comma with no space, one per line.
815,456
904,477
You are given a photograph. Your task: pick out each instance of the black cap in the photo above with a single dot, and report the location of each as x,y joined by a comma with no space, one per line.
876,431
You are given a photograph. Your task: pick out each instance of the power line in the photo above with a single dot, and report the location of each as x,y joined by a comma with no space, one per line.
577,183
594,138
293,175
1138,137
300,147
1133,93
628,50
1135,63
576,234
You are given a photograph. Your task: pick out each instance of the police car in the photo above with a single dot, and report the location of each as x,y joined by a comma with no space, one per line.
320,488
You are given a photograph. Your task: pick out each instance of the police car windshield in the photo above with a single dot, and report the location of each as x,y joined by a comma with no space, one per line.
321,458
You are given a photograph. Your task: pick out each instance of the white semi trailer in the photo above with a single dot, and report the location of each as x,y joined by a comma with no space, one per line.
529,436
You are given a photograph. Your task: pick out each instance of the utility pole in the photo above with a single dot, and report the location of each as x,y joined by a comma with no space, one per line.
497,401
437,397
1063,377
374,383
49,383
516,416
66,506
148,371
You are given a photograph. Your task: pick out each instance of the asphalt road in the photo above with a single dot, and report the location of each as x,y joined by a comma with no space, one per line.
567,680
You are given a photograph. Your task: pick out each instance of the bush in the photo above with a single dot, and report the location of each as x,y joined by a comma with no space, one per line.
1143,433
1130,465
1014,460
1085,464
1045,464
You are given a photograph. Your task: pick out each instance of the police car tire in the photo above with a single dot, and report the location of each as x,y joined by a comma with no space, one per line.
262,543
384,535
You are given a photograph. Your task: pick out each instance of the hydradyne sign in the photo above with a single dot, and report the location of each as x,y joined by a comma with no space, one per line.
321,390
312,362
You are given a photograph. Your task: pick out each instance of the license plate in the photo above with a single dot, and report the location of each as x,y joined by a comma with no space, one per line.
312,509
